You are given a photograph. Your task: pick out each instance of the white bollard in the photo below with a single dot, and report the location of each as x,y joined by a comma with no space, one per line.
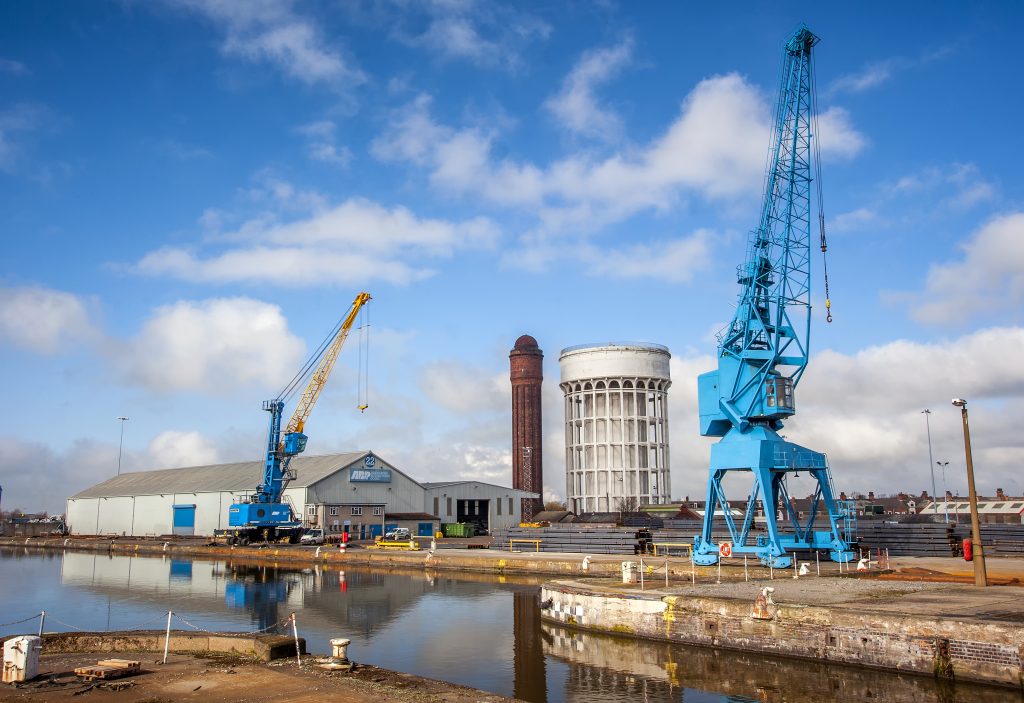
586,563
339,649
317,554
746,575
805,568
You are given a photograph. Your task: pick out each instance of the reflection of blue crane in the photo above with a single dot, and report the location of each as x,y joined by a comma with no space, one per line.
264,515
763,352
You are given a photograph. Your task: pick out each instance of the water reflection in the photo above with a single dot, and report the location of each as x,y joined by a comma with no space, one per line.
473,629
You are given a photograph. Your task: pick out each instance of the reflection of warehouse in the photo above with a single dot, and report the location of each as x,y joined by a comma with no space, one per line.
357,490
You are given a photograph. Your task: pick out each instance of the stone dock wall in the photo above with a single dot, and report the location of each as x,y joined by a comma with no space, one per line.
984,651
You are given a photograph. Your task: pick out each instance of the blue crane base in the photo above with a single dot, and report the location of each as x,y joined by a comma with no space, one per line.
770,459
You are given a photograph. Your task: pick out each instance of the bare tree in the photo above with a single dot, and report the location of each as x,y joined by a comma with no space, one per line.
626,505
555,505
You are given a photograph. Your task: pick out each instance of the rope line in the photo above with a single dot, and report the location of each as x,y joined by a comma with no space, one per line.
18,622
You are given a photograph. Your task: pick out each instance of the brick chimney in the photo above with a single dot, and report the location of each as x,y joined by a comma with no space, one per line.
1000,495
871,495
842,495
526,362
949,497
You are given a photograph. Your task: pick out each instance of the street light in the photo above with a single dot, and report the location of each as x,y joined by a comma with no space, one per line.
980,577
927,423
945,503
120,444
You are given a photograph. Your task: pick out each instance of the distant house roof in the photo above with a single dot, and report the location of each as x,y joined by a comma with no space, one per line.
235,478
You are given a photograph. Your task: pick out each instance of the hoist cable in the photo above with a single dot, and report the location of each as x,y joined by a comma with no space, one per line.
817,177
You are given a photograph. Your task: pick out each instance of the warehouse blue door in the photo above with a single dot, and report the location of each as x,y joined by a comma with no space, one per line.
184,520
426,529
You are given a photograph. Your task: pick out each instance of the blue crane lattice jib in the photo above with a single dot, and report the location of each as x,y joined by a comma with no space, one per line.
762,353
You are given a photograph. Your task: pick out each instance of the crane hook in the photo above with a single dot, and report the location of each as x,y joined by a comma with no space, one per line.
828,310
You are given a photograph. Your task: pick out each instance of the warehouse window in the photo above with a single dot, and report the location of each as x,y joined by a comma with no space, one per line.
497,504
449,507
510,507
357,510
437,506
378,510
334,510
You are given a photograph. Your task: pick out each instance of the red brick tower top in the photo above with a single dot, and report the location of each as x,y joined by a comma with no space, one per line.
526,363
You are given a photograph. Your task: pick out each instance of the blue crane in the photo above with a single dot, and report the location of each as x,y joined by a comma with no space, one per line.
264,515
763,352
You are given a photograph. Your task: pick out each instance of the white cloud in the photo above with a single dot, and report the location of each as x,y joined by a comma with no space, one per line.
715,148
837,136
20,118
460,388
173,448
35,477
211,346
863,410
356,242
272,31
854,220
15,68
989,277
673,261
44,320
576,107
872,75
321,144
485,33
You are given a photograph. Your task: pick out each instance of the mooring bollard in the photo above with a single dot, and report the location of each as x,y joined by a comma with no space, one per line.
586,563
339,649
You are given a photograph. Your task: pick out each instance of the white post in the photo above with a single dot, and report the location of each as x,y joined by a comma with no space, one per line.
817,563
167,636
666,572
887,558
796,575
641,573
693,572
746,575
42,619
771,568
719,570
295,632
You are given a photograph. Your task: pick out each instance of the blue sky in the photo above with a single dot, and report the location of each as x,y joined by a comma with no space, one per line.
193,192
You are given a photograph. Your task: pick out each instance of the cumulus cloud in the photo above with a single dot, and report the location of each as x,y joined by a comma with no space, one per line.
576,107
864,411
274,32
673,261
44,320
321,145
714,149
173,448
989,276
486,34
212,346
837,135
354,243
460,388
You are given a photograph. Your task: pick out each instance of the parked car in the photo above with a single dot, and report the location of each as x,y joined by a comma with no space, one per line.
313,535
398,534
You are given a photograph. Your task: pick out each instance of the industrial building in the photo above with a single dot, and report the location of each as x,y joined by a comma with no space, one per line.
526,370
357,492
616,425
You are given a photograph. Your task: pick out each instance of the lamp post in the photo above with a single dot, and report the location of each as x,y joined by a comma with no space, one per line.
980,577
945,503
931,460
120,444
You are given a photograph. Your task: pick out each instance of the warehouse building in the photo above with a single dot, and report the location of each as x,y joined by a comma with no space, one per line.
357,492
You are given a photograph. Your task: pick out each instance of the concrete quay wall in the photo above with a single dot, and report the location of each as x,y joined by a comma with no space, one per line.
261,646
983,651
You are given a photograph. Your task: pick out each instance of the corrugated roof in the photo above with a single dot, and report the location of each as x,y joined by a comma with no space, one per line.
445,484
240,477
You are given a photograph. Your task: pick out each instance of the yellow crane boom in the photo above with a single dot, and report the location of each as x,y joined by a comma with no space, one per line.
324,368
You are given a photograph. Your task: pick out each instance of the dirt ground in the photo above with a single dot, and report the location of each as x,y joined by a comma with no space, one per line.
224,679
